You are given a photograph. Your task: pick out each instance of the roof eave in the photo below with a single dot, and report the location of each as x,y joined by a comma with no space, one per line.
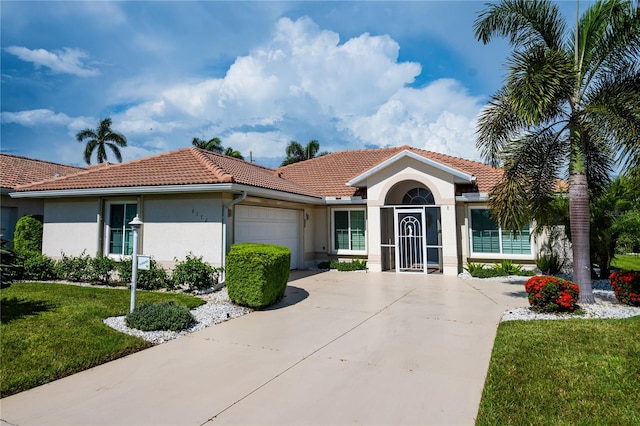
169,189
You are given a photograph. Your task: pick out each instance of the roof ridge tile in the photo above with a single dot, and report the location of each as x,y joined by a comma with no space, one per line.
215,168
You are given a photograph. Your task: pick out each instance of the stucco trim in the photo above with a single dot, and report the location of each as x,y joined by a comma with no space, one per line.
473,197
361,180
171,189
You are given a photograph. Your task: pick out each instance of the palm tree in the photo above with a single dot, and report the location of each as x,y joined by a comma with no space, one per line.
296,153
568,104
233,153
213,144
99,138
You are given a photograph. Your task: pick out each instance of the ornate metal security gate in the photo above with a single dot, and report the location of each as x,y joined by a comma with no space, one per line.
411,241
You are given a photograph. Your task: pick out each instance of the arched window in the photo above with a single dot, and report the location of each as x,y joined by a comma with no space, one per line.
419,196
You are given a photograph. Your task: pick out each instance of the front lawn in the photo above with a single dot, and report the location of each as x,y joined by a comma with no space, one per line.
49,331
628,262
563,373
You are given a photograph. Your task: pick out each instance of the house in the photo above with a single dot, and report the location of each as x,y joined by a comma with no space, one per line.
16,170
402,209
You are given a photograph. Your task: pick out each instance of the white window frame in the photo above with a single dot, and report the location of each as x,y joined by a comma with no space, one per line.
500,255
334,250
107,227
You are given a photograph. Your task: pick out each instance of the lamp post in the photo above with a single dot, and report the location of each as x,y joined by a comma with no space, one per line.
136,223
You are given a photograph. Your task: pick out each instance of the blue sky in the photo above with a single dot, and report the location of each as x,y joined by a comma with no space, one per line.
352,75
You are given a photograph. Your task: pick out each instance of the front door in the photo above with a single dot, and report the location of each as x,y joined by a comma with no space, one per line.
411,241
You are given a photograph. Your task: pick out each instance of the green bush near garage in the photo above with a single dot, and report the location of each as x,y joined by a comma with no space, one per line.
257,274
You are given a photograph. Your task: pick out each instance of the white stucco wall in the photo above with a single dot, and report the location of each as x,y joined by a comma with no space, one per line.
175,226
70,226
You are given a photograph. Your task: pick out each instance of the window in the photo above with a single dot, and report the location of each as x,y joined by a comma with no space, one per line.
120,232
488,237
349,230
421,196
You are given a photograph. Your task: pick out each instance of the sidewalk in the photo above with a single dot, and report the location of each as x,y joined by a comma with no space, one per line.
341,348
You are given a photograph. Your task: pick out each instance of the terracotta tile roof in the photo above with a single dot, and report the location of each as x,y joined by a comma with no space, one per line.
322,176
187,166
16,170
327,174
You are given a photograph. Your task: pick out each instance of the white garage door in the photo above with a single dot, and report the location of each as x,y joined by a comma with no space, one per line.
269,226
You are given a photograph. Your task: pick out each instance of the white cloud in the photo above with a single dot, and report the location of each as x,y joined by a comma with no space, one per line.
263,144
303,83
45,117
35,117
439,117
67,61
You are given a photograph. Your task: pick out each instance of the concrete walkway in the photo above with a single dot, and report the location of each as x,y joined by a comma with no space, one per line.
341,348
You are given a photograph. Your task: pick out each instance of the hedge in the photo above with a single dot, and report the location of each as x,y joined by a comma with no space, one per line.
257,274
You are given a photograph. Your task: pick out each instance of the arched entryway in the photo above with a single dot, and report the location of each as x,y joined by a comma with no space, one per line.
411,234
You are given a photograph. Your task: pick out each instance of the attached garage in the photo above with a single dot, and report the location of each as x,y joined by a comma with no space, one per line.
269,226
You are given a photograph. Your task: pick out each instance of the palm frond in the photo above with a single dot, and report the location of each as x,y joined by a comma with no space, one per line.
88,150
535,162
612,113
115,150
86,134
102,153
497,124
609,39
524,23
539,83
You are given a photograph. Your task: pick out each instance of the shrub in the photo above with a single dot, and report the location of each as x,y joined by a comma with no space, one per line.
8,267
27,236
487,273
506,268
257,274
626,286
474,268
354,265
551,294
159,316
194,273
101,269
324,265
74,268
155,278
36,266
549,263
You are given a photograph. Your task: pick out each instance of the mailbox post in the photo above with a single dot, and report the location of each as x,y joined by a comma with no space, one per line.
136,223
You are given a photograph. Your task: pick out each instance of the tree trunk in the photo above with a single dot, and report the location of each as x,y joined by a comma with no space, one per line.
579,216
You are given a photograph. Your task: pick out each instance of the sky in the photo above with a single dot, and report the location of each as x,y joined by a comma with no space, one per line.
352,75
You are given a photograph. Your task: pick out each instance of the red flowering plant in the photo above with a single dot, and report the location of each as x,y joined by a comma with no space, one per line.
626,286
551,294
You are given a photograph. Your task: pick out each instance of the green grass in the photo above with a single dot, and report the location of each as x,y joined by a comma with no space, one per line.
569,372
627,262
49,331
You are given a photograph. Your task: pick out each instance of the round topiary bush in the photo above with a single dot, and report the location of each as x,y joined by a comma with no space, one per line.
552,294
159,316
626,286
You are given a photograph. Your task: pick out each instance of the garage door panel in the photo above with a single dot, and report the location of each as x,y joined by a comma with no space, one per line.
269,226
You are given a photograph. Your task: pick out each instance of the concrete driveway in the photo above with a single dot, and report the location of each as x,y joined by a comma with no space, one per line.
341,348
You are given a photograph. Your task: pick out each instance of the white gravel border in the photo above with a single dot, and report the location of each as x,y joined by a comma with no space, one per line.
217,309
606,306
